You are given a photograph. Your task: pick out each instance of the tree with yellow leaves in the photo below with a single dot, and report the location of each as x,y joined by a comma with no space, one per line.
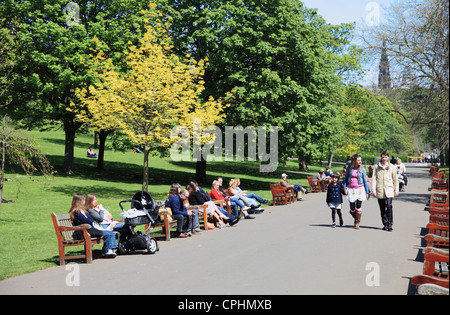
151,93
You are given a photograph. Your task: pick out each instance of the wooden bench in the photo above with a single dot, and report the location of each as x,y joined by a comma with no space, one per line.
436,229
439,219
166,223
64,233
204,215
439,206
435,279
281,195
228,194
436,262
437,211
439,181
433,169
439,196
314,185
437,236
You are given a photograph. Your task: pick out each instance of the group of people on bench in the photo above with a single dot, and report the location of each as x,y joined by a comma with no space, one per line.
193,195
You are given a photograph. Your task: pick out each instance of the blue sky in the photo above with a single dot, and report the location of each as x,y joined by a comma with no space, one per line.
363,12
347,11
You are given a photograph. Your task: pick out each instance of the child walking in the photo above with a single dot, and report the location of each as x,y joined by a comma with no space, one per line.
334,199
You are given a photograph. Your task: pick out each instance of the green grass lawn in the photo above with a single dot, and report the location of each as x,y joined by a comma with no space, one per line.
27,237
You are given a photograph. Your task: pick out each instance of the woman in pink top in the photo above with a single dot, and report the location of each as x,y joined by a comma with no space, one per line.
356,187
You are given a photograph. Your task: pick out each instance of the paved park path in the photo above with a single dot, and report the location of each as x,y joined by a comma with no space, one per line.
286,250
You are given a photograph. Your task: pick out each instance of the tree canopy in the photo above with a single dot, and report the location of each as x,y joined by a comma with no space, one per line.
281,58
149,93
52,49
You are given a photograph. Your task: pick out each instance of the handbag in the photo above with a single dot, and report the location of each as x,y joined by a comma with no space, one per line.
93,232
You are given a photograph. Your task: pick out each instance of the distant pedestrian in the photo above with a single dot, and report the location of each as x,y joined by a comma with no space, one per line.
385,187
335,191
356,187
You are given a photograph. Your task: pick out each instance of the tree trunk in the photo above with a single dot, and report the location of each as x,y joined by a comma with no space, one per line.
70,128
69,146
330,159
96,139
200,171
145,170
302,165
102,135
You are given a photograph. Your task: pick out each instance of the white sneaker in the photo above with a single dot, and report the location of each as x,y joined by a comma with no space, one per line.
246,208
110,253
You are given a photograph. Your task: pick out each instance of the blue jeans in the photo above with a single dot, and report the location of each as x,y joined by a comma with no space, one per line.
186,222
122,229
110,240
235,203
297,188
230,216
183,223
255,196
195,223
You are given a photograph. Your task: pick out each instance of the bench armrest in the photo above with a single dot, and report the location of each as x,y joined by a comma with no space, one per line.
75,228
436,238
422,279
163,212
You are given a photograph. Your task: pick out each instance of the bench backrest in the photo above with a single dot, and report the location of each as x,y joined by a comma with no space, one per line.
63,220
276,188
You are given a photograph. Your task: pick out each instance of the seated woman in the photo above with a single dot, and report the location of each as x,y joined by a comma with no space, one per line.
103,217
197,198
216,194
234,201
91,153
187,220
80,216
237,192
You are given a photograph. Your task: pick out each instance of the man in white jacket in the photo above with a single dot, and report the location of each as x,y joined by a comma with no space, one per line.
385,187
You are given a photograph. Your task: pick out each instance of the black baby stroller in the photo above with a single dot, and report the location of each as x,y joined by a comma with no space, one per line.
402,181
143,211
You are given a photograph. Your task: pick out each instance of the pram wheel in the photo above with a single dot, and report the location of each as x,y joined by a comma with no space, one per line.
152,245
122,247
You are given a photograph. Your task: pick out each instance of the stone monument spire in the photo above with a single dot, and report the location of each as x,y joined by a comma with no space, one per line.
384,75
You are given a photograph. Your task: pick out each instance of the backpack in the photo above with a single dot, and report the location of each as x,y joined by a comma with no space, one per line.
136,242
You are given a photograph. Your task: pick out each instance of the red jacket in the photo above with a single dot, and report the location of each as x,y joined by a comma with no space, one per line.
216,195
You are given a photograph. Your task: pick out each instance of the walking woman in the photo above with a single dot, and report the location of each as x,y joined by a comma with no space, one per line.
356,187
385,187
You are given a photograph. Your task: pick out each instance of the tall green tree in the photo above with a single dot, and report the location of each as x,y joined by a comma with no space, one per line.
55,37
155,92
372,121
281,58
